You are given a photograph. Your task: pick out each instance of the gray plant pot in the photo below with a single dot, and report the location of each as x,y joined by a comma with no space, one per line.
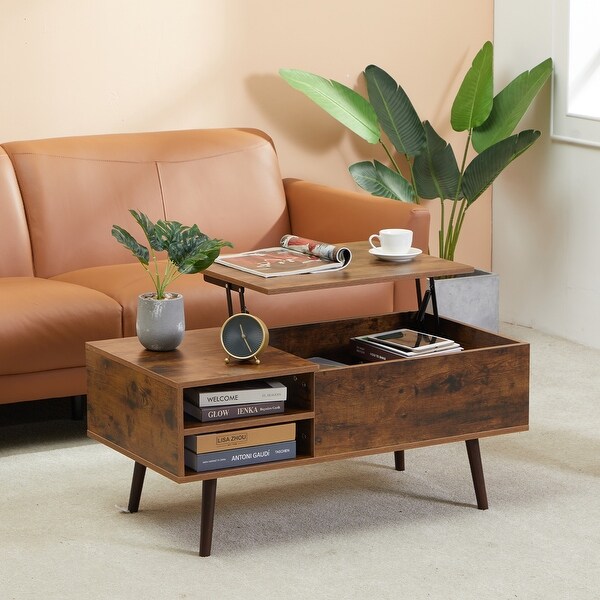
472,299
160,323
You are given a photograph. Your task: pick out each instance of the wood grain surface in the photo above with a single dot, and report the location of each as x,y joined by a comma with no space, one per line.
363,269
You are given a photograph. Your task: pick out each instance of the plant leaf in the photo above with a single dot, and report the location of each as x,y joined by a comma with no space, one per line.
125,238
474,99
510,105
397,116
485,167
148,228
168,233
435,169
341,102
379,180
195,254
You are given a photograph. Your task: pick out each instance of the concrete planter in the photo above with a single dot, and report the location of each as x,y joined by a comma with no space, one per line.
160,323
472,299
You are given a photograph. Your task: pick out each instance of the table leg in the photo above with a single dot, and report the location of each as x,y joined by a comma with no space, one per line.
207,515
137,482
399,460
77,408
477,473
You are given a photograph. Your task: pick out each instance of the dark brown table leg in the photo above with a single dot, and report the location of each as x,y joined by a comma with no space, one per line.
137,482
477,473
399,460
207,515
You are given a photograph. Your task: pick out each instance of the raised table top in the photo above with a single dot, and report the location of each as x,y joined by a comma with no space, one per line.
363,269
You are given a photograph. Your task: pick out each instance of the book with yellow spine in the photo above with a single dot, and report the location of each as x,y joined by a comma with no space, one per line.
240,438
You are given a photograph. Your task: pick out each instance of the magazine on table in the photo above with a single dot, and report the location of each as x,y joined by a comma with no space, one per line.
294,256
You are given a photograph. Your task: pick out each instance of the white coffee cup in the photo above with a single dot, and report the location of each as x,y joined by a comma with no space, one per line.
393,241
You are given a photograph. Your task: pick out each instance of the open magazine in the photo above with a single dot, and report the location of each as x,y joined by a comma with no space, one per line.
294,255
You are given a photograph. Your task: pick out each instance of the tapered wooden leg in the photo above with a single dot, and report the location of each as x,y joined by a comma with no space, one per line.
207,516
477,473
399,460
137,483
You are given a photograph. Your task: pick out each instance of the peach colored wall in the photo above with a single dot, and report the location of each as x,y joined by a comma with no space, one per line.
89,66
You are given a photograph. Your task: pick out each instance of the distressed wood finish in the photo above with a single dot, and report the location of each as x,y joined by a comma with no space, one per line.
135,397
134,411
200,360
483,390
408,401
330,338
363,269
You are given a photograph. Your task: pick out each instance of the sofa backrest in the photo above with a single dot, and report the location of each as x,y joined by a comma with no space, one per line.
227,181
15,246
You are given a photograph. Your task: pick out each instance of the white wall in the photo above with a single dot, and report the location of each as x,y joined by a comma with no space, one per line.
546,206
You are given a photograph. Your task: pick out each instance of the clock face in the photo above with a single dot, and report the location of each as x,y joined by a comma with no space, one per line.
244,336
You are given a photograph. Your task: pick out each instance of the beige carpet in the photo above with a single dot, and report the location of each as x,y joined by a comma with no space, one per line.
354,529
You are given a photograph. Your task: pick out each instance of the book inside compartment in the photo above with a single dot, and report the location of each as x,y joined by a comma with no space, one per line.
298,409
365,407
331,341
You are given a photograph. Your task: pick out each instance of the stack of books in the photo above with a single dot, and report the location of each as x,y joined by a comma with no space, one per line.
401,343
242,399
211,451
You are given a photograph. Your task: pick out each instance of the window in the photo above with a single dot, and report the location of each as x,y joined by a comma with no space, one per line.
576,83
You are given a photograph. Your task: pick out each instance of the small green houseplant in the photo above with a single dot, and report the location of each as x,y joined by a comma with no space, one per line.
433,170
188,249
160,322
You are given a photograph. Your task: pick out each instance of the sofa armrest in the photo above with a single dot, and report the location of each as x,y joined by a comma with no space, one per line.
334,215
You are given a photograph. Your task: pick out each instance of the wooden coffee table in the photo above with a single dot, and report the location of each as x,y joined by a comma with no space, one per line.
135,397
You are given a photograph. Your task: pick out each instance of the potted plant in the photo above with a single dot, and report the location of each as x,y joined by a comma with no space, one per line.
388,116
160,319
432,167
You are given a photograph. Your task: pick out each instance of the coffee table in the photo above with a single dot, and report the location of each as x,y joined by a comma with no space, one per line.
135,397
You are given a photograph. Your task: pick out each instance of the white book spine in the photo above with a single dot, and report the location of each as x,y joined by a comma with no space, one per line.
274,391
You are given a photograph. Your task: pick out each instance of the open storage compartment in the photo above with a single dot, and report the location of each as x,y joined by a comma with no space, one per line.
359,408
299,409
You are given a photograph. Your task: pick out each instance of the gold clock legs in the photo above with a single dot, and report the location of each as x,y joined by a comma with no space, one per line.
254,358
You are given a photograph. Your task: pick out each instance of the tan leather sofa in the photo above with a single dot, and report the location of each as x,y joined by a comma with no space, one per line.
64,280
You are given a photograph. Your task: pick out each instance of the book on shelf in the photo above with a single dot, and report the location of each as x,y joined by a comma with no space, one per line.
233,411
294,256
223,459
241,438
243,392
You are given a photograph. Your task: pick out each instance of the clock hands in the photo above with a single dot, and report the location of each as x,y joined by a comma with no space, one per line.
245,338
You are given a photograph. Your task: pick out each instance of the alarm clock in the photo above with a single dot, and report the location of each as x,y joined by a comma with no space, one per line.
243,337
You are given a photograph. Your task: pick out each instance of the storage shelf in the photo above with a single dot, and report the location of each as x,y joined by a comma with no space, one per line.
194,427
191,475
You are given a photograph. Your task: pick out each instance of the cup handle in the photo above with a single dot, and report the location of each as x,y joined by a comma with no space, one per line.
371,238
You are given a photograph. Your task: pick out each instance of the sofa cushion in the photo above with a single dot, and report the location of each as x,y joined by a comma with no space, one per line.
44,324
206,306
227,181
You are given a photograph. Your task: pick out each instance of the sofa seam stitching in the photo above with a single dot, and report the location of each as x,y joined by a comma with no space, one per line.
108,160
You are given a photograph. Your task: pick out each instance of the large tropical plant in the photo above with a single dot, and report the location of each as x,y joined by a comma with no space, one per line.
431,165
188,249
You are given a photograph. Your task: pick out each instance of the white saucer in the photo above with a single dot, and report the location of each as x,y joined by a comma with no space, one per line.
405,257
